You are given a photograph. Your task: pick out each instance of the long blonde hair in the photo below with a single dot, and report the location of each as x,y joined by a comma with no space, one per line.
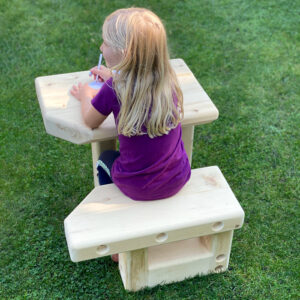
145,82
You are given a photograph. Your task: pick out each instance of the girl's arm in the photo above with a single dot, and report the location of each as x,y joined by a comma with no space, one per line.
92,117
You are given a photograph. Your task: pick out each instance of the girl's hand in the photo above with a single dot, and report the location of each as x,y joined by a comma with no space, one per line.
103,73
82,92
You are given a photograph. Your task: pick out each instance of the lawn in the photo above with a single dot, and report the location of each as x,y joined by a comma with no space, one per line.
244,53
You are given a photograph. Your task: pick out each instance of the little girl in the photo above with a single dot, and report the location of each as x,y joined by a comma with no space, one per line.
145,98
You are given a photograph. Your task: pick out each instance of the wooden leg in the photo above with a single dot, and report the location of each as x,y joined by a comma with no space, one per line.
97,149
221,249
175,261
133,267
188,138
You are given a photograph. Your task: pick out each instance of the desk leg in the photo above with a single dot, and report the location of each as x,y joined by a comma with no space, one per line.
97,149
188,138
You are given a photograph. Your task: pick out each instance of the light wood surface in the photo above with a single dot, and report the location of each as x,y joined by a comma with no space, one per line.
107,222
158,241
62,116
175,261
188,139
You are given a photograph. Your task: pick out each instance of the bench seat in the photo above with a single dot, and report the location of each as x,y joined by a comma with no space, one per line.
170,234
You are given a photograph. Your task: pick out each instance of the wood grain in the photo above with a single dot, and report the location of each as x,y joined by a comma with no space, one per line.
62,116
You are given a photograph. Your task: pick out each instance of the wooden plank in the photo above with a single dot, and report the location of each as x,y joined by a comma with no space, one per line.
109,220
188,139
61,111
133,268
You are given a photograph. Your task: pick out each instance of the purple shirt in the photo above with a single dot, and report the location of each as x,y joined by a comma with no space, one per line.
147,168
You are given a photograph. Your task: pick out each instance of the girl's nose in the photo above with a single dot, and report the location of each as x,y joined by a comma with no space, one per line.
101,47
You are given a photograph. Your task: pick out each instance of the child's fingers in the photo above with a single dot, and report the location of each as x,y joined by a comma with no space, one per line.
75,89
98,72
94,70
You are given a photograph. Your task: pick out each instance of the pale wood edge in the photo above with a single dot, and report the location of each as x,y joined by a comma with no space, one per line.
78,253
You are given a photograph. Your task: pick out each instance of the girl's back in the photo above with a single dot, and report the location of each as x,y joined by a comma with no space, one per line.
147,168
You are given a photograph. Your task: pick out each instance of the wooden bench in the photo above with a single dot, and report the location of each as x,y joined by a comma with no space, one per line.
159,241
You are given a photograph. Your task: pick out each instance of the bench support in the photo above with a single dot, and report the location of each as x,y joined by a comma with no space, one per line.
175,261
133,266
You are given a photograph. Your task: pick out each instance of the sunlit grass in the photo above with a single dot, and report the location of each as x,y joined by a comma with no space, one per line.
245,54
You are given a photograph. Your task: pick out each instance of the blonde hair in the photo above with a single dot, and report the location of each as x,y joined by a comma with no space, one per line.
145,82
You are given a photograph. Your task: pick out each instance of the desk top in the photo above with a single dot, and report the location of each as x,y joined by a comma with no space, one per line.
62,116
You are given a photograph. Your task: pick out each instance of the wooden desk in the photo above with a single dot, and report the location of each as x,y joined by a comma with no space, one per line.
62,116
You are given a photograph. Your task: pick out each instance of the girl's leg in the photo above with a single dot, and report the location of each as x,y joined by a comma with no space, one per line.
104,166
115,257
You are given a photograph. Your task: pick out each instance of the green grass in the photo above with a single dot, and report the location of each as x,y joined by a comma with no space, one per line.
246,56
